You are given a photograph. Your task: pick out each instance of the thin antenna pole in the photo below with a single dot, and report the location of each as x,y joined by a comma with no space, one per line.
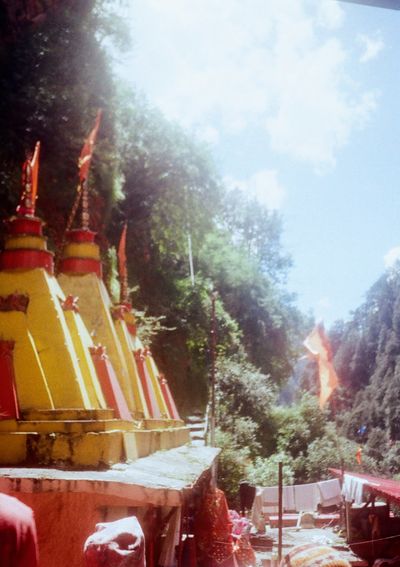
280,510
213,360
191,269
70,222
85,205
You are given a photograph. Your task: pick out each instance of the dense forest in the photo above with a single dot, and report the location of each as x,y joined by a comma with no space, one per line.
55,73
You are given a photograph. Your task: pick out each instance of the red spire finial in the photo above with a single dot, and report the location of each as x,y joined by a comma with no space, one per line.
87,150
84,165
30,172
123,272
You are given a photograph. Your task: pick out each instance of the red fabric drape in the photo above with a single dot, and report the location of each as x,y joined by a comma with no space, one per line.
18,539
216,545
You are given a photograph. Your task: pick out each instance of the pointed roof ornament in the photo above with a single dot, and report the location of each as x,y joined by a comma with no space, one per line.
30,173
85,157
84,162
79,264
123,271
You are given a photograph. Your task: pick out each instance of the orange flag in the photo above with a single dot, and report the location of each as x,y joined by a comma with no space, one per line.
87,151
317,344
123,272
359,455
35,171
30,174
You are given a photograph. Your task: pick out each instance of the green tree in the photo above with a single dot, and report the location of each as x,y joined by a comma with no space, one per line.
150,172
53,78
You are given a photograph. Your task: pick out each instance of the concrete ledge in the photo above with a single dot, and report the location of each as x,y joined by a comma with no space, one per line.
73,426
150,441
162,423
69,504
159,479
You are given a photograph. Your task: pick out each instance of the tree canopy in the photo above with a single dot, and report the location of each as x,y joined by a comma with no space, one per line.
151,173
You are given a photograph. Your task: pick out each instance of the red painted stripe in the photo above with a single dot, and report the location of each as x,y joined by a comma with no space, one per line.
80,235
113,394
26,258
24,226
148,390
169,400
8,394
80,266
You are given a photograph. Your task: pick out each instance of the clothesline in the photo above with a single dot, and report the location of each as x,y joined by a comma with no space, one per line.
298,497
376,540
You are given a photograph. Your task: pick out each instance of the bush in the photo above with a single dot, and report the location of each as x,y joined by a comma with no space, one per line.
264,472
232,464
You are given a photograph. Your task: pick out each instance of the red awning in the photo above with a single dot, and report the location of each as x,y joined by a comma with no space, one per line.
389,489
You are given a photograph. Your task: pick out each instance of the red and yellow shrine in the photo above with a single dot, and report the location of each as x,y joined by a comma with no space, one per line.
73,393
78,390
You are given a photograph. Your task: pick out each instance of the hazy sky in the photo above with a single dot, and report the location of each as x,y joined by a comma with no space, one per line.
299,101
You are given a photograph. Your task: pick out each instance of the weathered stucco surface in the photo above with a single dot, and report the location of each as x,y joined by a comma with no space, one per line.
68,504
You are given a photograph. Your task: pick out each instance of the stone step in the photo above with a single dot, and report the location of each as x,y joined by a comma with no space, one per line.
198,436
195,419
197,427
67,414
87,450
161,423
66,426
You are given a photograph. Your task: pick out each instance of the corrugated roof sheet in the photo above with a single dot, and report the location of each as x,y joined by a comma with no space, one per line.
384,487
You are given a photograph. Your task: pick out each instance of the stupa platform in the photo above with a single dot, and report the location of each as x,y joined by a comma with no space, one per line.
159,479
68,504
74,438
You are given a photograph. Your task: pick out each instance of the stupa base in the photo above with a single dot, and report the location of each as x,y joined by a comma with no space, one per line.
92,439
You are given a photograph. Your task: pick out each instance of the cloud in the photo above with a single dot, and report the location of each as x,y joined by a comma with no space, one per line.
276,67
391,257
371,47
263,185
329,15
208,134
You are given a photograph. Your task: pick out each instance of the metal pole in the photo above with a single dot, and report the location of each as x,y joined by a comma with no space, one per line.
190,252
280,510
213,359
85,205
348,522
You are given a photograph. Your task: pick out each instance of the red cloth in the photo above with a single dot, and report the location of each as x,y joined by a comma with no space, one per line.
18,540
116,544
213,532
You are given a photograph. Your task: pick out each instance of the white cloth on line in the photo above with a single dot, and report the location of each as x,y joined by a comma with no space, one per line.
298,497
353,488
257,518
288,498
330,492
270,496
269,500
307,497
